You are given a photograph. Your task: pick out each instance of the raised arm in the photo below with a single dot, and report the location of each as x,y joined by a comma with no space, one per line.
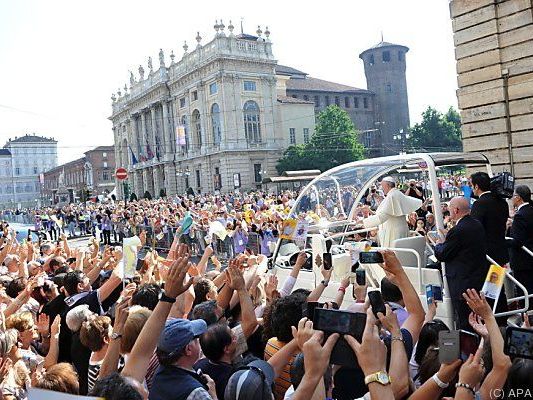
139,359
501,363
112,356
236,282
397,275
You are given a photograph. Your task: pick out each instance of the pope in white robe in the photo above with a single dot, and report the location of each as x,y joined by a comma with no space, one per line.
391,214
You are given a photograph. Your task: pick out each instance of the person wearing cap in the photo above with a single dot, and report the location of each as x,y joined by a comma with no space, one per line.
177,351
391,214
522,235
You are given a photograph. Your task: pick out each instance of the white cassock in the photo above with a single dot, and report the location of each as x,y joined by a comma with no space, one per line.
390,217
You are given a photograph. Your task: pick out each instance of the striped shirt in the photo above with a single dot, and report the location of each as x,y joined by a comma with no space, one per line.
283,381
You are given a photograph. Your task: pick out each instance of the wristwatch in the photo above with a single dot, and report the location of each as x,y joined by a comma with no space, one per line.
166,299
115,336
325,283
380,377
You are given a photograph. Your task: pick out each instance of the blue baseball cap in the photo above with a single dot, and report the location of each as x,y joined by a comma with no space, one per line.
178,333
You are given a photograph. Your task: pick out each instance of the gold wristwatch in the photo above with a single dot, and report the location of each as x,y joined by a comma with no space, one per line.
380,377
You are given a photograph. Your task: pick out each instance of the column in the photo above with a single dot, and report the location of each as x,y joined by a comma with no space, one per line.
170,179
132,141
143,143
157,182
167,148
154,129
146,186
138,183
204,115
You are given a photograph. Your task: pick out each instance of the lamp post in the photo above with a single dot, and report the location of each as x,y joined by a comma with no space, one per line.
401,139
379,125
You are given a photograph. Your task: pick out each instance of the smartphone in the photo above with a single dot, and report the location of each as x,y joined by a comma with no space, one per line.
433,292
519,342
370,257
327,261
309,309
360,277
468,344
457,344
377,303
337,321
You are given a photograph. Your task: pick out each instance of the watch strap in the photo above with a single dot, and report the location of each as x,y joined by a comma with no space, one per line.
166,298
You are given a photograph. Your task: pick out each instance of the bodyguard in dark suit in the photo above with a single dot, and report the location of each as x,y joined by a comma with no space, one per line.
492,211
522,235
464,252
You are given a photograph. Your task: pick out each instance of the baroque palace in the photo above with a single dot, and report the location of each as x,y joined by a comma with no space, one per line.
220,117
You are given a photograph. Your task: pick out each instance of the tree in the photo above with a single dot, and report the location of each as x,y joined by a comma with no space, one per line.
335,142
437,131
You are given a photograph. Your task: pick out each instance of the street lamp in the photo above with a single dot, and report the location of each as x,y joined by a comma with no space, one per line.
379,125
401,138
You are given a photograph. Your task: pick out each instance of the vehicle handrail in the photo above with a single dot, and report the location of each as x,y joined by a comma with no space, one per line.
517,283
523,248
418,261
341,234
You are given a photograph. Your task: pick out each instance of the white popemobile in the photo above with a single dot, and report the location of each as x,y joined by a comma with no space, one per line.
332,228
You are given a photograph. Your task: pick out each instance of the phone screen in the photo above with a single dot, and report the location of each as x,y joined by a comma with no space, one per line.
437,292
519,342
342,322
370,257
468,344
327,260
377,303
448,346
360,277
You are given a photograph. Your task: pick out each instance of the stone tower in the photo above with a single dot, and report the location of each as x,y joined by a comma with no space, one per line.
385,76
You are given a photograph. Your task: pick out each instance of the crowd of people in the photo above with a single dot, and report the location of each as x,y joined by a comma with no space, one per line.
205,319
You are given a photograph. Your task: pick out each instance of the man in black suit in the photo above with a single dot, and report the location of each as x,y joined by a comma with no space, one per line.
493,212
522,235
464,252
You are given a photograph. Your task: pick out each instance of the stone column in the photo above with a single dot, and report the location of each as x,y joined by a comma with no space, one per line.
132,141
167,148
170,179
154,130
138,182
157,182
143,144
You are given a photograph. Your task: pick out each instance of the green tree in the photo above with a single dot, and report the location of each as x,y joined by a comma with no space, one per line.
437,131
335,142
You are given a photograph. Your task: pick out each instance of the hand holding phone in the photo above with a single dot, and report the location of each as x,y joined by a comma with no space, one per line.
376,302
327,261
370,257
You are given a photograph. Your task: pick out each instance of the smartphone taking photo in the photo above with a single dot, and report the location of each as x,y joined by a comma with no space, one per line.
519,342
370,257
376,302
327,261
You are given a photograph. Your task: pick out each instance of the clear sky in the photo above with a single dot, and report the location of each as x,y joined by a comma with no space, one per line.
60,60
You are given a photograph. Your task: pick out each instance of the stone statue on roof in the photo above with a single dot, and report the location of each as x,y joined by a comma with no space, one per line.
132,79
161,58
141,72
150,66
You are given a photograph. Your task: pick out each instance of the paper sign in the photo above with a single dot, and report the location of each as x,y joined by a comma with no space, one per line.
41,394
300,233
216,228
129,250
493,282
288,229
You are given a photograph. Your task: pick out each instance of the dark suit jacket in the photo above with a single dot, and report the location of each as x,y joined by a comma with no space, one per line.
522,234
492,211
464,251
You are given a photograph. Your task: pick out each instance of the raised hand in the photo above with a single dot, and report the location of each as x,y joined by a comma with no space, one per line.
121,314
303,333
471,371
56,326
478,303
235,276
371,352
316,356
390,321
43,325
174,284
478,325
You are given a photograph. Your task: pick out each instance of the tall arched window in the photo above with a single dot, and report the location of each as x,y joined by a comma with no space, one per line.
197,128
215,122
252,126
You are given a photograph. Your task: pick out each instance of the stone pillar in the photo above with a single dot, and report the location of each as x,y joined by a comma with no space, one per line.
170,179
138,182
132,141
154,130
167,142
157,182
143,144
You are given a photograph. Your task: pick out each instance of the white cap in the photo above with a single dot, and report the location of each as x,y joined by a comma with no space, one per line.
388,179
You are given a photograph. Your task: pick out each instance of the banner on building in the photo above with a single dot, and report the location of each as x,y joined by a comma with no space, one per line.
180,135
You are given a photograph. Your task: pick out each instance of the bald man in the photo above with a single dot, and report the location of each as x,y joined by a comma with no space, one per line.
464,252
